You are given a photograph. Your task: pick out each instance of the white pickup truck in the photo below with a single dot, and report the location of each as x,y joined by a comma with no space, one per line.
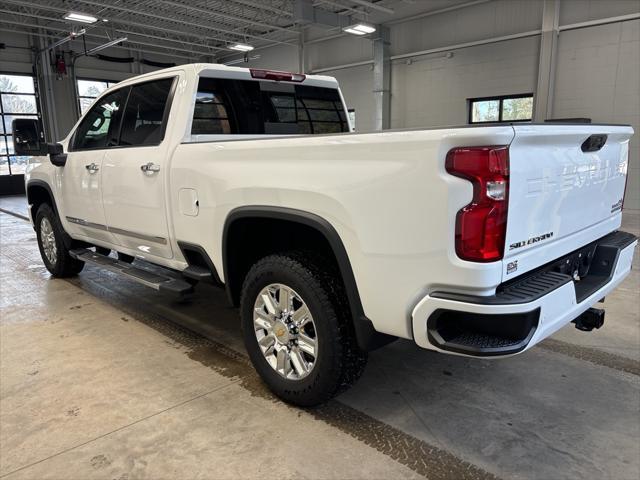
478,241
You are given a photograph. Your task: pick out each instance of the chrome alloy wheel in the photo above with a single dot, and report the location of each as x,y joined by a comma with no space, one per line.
48,239
285,331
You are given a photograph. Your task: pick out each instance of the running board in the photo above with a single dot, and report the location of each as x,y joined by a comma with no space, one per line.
145,277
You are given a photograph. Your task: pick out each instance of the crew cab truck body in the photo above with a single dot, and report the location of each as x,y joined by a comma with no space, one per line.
474,241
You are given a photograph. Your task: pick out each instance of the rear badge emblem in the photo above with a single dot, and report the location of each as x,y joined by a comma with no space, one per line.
512,267
531,241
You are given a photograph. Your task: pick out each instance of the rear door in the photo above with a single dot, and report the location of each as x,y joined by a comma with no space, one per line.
566,189
134,173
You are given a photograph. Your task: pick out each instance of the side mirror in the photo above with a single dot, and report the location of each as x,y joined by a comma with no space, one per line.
28,137
57,155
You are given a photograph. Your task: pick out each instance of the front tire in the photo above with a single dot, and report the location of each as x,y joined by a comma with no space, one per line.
297,329
53,250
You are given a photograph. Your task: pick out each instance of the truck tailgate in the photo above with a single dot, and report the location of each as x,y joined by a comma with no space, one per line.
565,190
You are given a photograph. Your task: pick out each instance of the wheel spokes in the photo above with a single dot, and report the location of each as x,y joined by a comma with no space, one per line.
284,299
307,344
267,343
269,302
285,331
282,364
300,315
263,320
299,363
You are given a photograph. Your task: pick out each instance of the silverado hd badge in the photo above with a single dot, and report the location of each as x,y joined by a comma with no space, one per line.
531,241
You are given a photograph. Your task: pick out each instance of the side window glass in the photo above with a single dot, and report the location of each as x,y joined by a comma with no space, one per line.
143,120
98,128
210,115
320,110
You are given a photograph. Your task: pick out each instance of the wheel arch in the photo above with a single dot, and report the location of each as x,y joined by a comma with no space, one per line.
39,192
368,338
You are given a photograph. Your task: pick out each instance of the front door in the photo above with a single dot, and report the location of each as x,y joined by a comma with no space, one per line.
135,173
81,178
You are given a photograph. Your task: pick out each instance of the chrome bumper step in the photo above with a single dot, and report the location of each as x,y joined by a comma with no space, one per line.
153,280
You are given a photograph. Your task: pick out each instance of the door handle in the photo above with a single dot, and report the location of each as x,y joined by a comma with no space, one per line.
150,168
92,168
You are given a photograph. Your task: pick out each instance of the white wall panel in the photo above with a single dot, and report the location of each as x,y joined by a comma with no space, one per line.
598,77
486,20
434,91
357,86
338,51
575,11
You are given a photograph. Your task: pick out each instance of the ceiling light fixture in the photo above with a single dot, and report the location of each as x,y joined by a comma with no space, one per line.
80,17
359,29
241,47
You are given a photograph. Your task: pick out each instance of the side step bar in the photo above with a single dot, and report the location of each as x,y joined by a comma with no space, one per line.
158,282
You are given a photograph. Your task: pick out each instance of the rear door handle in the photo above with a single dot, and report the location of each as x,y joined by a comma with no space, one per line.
150,168
92,168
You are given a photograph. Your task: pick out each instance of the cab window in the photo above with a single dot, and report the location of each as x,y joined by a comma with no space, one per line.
252,107
99,127
144,120
210,116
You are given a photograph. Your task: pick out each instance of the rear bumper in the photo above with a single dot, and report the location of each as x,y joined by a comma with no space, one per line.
523,312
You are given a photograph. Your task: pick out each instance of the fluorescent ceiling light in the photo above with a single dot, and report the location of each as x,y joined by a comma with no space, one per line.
359,29
241,47
80,17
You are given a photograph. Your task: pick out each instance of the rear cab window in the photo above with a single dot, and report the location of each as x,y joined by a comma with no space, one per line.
255,107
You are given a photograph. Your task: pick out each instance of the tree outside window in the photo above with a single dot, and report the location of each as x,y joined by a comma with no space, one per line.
17,100
89,90
508,108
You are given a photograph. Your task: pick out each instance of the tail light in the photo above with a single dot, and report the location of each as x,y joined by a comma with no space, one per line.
481,226
276,75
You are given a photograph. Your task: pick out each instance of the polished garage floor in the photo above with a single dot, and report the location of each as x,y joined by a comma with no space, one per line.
102,378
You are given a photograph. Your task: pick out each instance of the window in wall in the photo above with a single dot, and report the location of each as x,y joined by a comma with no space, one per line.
89,90
18,99
508,108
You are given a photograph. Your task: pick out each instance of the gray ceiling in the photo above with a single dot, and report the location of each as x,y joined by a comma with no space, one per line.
191,29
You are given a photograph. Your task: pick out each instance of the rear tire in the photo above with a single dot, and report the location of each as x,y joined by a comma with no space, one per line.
53,250
332,357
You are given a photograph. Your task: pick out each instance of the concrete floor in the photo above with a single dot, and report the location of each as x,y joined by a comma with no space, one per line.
103,378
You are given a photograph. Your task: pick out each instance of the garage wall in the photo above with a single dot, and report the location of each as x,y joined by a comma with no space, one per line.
486,20
598,76
433,90
356,85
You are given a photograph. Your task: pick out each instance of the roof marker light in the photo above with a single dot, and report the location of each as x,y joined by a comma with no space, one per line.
277,75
